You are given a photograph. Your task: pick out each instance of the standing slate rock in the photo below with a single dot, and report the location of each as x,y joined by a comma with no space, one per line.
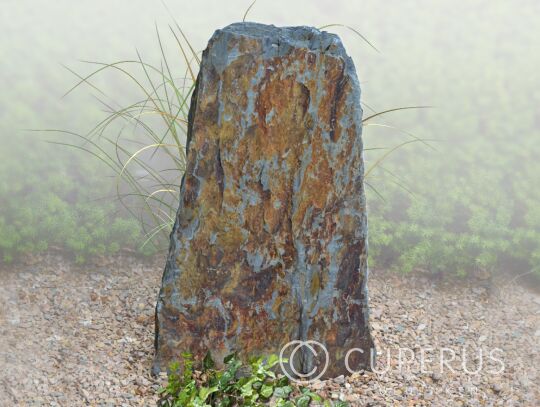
270,239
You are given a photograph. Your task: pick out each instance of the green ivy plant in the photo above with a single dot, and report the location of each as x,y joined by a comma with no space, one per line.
237,384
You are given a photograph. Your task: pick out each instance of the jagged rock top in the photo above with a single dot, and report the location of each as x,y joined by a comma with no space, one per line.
299,36
275,41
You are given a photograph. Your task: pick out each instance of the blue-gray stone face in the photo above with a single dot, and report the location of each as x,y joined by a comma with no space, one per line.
270,239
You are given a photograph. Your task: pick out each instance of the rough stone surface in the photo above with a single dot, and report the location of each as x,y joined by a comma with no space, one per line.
269,243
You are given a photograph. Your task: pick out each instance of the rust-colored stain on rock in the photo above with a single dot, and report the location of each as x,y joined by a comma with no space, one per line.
270,240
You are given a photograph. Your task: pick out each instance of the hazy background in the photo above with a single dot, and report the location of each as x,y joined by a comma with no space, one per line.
471,206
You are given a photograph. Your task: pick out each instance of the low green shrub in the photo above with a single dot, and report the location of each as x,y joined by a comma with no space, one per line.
237,384
462,216
57,210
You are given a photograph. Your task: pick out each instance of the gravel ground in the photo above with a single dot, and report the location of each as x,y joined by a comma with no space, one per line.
73,336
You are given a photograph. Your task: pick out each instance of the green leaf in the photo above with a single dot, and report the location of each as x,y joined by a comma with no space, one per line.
283,392
284,403
225,402
282,381
266,390
204,392
208,362
303,401
247,389
272,361
225,379
230,358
